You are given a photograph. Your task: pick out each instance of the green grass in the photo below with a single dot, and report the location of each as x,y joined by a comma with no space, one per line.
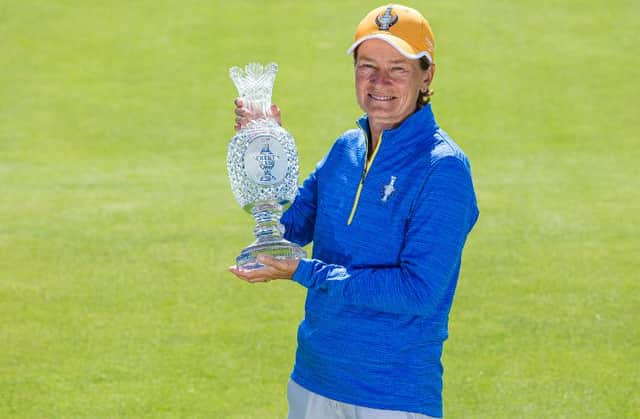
117,222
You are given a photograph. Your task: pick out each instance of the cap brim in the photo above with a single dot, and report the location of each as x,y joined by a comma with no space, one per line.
399,44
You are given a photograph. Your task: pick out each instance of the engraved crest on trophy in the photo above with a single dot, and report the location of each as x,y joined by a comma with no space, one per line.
262,162
267,161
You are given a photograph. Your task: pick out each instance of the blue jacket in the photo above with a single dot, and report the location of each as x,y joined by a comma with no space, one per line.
387,245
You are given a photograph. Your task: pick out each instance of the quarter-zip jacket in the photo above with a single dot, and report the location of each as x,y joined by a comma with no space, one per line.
387,246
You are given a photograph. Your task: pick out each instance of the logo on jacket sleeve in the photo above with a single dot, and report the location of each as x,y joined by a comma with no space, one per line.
389,189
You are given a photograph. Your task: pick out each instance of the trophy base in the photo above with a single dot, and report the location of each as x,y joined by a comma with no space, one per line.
280,249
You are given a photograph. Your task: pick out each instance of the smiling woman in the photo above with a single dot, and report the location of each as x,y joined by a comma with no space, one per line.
388,85
388,211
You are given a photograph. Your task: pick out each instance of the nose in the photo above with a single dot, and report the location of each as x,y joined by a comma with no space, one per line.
380,77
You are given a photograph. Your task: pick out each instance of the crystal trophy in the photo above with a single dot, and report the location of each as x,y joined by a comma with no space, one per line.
262,163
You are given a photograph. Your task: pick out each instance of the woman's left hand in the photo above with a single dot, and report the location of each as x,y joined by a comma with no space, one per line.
244,114
273,269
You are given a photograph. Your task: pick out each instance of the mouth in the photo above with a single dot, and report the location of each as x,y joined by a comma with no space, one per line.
381,98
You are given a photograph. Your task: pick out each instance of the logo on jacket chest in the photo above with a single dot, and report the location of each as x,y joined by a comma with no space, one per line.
388,189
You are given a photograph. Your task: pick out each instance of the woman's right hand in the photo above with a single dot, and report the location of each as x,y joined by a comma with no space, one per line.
244,115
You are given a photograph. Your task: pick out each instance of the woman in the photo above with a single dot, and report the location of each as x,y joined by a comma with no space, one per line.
388,210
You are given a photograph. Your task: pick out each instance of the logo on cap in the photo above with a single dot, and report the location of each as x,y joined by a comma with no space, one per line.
387,20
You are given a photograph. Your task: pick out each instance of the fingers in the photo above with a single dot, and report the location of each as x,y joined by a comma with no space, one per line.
275,111
273,269
281,268
272,262
241,114
244,115
252,275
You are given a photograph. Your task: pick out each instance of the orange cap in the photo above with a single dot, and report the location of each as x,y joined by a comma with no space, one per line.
402,27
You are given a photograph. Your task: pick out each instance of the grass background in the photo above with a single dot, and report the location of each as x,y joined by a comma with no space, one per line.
117,222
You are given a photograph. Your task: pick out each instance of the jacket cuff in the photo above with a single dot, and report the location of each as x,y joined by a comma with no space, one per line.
303,275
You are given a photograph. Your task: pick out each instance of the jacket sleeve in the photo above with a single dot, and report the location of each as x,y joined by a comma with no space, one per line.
426,275
299,220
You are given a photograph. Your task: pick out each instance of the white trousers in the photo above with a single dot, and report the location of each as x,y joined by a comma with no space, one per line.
304,404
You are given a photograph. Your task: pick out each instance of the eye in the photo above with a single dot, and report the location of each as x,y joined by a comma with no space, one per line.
365,69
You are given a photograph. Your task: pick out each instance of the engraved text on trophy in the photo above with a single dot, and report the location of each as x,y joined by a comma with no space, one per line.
266,161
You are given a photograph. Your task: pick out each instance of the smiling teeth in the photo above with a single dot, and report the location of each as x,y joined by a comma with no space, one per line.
381,97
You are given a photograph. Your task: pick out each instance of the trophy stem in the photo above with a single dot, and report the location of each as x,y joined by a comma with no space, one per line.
267,216
269,237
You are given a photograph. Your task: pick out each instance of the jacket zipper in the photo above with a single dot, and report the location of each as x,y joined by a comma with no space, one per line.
365,170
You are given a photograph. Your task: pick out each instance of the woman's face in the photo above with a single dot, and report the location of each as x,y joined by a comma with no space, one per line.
388,83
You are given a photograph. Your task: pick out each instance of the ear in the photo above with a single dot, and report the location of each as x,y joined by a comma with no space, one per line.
428,77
